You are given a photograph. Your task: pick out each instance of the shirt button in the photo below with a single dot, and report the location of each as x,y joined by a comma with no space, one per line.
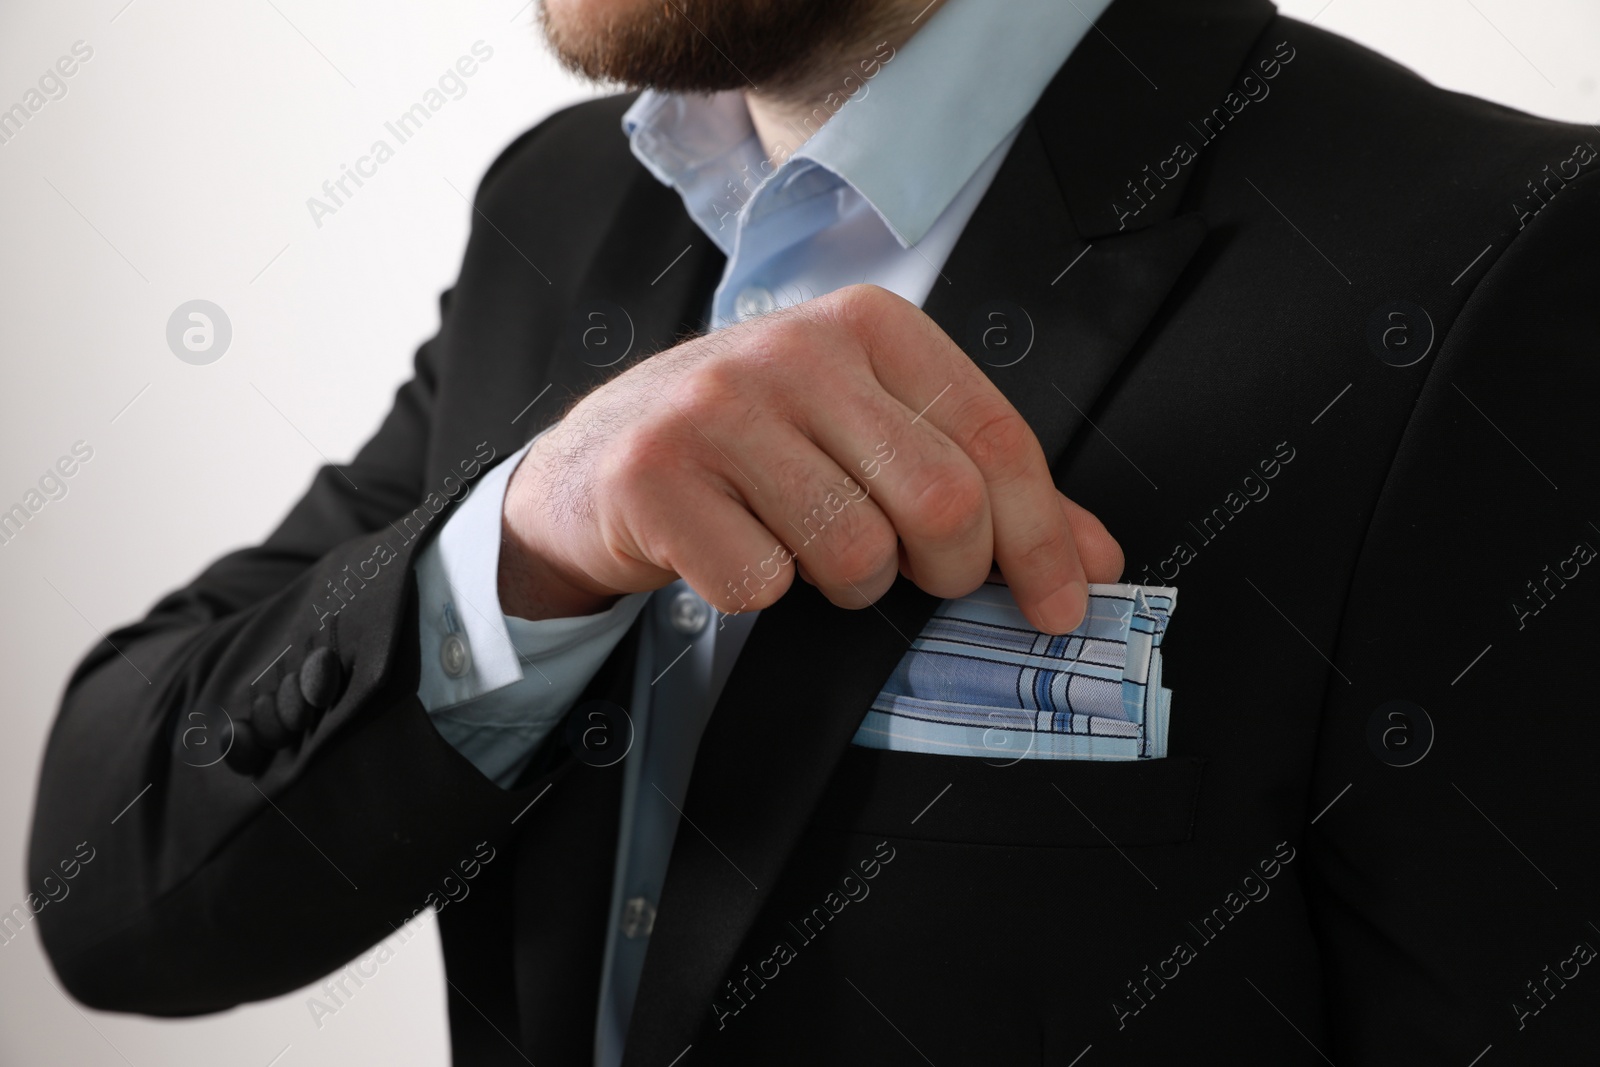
454,656
638,918
689,614
753,301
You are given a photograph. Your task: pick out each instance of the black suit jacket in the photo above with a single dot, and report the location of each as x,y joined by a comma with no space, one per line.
1319,347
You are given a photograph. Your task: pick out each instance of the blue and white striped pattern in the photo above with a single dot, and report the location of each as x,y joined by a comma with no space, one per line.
980,681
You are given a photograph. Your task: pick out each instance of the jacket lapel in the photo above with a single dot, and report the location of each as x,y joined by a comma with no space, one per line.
1050,313
646,289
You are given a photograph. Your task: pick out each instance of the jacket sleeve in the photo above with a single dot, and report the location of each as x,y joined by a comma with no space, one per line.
1454,814
169,878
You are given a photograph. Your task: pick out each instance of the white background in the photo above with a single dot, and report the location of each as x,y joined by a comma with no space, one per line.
177,167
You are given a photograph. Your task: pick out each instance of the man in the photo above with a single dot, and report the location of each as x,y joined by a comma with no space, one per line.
1310,338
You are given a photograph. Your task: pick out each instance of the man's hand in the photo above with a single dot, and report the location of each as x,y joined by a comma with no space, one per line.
847,434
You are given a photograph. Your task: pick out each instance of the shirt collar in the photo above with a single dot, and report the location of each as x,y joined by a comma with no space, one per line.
908,138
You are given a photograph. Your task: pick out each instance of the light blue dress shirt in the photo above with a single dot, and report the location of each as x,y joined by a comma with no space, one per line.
878,194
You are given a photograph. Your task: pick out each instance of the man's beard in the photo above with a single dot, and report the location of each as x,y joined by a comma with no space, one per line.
704,46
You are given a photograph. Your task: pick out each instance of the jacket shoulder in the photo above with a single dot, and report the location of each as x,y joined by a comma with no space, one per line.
577,146
1387,119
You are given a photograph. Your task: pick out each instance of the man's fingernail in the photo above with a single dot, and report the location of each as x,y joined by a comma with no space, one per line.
1063,610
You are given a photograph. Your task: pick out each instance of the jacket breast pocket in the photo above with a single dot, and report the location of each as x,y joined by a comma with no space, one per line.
1029,802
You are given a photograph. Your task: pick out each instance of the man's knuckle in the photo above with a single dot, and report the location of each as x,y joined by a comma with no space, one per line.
998,440
862,299
947,503
712,386
859,553
641,460
781,336
861,309
1042,547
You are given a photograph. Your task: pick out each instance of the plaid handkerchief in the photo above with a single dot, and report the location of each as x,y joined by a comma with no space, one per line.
980,681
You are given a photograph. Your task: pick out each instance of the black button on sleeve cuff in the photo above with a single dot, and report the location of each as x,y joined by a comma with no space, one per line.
321,678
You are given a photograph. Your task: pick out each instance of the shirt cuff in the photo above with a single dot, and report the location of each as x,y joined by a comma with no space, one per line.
466,649
472,680
499,730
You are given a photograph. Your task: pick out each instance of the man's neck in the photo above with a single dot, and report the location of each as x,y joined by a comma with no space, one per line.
785,118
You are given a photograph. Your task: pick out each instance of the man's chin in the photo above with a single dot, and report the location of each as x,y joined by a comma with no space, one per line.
699,45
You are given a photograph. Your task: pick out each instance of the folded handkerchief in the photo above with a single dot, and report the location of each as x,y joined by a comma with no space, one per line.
980,681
